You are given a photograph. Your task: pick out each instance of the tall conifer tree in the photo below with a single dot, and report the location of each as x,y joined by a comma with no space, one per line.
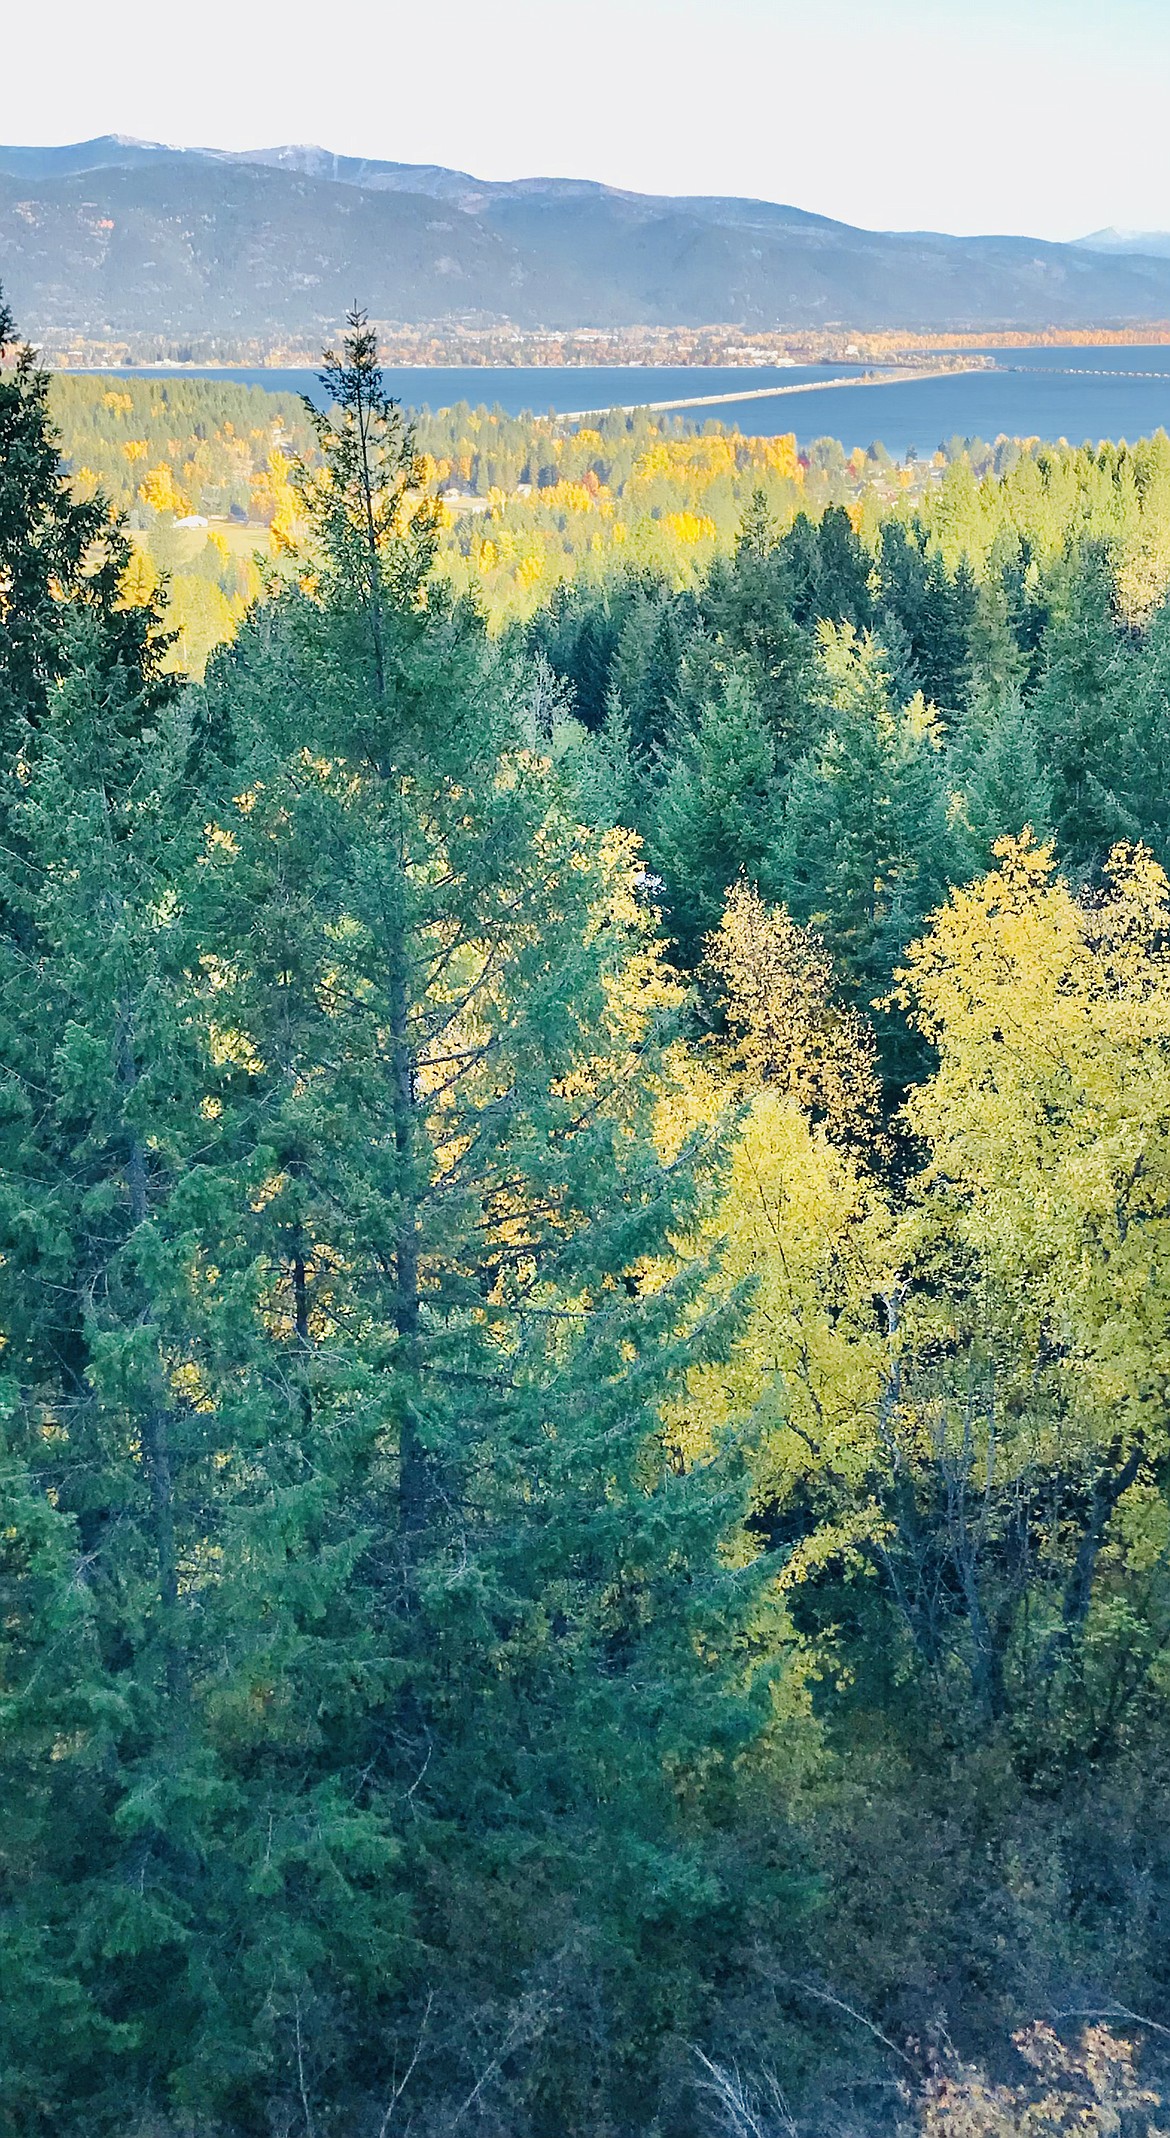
439,1307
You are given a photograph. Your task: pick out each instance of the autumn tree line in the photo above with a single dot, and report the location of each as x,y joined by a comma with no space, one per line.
584,1270
548,501
531,503
204,444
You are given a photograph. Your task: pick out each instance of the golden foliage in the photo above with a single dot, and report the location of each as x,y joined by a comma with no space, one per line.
140,580
1091,2090
161,492
785,1025
803,1229
1047,1121
689,527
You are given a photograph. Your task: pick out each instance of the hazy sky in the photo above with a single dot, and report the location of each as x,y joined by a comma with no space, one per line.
1047,116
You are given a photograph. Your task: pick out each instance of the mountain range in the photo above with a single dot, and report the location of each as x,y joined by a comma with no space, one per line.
117,237
1156,242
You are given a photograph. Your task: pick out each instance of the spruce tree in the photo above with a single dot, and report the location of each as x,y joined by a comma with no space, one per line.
825,570
718,815
100,1451
645,675
844,572
423,1231
749,630
947,618
999,770
364,1637
58,554
1081,698
864,850
1140,757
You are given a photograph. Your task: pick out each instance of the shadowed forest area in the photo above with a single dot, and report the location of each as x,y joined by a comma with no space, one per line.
585,1300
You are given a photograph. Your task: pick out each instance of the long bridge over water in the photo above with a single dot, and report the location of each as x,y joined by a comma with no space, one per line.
901,375
763,393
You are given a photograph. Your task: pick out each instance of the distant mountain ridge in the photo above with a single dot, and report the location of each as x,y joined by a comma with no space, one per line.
1154,243
118,237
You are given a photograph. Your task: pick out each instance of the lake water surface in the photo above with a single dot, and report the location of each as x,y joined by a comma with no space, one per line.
1073,393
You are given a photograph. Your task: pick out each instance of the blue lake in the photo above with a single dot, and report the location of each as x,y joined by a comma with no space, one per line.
1073,393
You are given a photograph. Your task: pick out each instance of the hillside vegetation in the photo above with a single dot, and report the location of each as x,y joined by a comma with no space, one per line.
108,238
528,501
584,1277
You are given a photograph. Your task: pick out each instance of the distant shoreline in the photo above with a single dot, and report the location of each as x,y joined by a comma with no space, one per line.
426,349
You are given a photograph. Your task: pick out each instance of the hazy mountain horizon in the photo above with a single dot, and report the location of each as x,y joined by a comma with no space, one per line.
120,236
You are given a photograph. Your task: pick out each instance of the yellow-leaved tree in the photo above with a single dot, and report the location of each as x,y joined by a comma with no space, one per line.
953,1396
1048,1118
787,1027
1035,1349
161,492
803,1235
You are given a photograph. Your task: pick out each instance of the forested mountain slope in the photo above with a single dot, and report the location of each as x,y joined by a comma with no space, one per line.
110,237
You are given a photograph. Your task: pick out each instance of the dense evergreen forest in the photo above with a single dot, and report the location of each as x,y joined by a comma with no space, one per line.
585,1295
